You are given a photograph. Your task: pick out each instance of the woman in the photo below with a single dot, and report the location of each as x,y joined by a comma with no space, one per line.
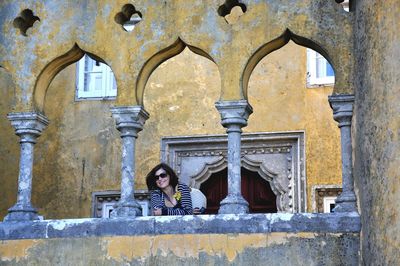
168,196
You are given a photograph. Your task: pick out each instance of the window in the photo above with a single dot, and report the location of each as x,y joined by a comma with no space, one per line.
319,71
94,79
324,197
329,204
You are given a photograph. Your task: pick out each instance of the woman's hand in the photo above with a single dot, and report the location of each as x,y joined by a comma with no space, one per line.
157,212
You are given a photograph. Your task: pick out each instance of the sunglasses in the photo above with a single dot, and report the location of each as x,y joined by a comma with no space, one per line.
163,175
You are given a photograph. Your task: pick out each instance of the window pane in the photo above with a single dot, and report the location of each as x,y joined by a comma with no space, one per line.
320,67
98,83
329,70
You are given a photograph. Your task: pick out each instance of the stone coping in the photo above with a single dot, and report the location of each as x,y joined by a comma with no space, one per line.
190,224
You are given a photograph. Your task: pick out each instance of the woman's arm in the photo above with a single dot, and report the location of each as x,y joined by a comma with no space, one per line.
186,203
156,200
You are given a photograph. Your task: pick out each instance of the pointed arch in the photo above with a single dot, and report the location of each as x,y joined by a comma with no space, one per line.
274,45
207,170
52,69
176,48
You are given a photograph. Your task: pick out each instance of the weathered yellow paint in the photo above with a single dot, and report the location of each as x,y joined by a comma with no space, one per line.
17,249
127,248
162,24
171,248
122,247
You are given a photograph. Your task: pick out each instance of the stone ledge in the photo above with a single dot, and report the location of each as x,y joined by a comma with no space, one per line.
199,224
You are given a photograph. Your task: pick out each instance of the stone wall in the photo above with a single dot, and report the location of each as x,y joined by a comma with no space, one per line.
377,129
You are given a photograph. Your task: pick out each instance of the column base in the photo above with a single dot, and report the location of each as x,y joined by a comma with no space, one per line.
21,212
126,209
234,204
346,202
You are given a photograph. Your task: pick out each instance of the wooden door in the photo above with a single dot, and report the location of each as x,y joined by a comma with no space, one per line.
255,190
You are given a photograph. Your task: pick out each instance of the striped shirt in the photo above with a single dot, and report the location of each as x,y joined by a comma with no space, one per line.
183,207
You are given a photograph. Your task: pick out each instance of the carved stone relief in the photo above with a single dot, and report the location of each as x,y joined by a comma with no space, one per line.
319,192
279,158
103,202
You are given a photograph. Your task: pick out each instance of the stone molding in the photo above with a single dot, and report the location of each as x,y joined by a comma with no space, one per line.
129,119
234,112
319,192
113,196
279,158
342,106
335,223
28,125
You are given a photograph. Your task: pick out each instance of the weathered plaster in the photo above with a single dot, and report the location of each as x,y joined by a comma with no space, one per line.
9,145
235,249
92,26
377,129
328,239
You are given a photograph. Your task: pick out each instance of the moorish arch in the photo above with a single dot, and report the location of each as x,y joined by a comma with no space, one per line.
158,58
277,180
276,44
52,69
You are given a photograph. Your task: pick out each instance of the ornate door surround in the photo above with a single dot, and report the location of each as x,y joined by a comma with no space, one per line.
278,157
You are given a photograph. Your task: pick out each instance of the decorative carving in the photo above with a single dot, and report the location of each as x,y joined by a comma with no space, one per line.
322,192
110,198
130,118
231,10
209,168
277,157
128,17
25,20
234,112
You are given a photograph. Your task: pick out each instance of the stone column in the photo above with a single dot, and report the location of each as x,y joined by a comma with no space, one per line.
342,106
234,116
129,120
28,126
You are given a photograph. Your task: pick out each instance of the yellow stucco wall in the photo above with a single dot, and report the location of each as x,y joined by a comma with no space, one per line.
200,249
79,152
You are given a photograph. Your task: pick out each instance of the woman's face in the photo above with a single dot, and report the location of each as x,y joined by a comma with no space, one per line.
162,178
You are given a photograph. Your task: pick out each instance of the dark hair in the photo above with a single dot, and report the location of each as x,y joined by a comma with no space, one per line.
151,180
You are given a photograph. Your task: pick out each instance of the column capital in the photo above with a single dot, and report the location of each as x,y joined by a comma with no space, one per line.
129,119
342,106
28,125
234,112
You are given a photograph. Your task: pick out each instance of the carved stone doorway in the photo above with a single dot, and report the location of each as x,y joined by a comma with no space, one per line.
278,157
255,190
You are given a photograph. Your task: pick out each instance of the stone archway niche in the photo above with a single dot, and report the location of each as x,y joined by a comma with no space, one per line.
277,157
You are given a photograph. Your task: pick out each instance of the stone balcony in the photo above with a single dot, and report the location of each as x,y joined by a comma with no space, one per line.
250,239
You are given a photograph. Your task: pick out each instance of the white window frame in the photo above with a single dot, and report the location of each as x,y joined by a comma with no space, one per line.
312,76
327,203
88,90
